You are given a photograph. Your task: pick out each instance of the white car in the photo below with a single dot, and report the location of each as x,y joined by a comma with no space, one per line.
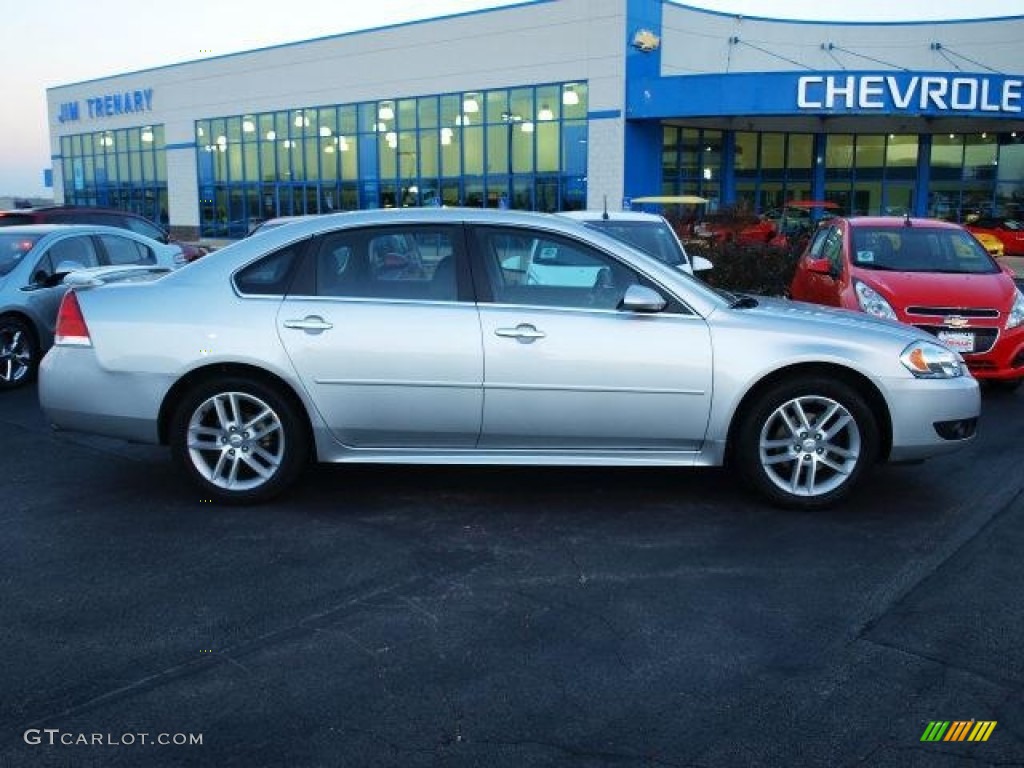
649,232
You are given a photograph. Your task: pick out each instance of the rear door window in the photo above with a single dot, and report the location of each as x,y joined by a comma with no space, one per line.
124,250
79,249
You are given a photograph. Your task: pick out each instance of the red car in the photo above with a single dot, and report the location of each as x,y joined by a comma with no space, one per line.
927,273
1008,231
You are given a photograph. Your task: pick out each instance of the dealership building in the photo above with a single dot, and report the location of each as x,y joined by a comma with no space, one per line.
560,104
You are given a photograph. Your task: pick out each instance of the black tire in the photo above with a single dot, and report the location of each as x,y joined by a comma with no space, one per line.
230,461
19,353
797,467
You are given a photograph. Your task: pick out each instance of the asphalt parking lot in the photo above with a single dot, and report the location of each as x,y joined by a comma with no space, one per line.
505,617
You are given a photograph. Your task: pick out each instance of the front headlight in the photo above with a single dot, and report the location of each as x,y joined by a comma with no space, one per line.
871,301
927,360
1016,316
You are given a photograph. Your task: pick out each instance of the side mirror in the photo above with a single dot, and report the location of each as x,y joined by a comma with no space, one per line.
820,267
700,264
640,298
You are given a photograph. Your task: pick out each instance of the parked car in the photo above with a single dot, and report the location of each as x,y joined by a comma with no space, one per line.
295,345
107,217
990,243
649,232
1010,232
927,273
35,260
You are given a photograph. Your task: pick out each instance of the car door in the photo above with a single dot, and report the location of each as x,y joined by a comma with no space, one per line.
824,288
384,333
566,369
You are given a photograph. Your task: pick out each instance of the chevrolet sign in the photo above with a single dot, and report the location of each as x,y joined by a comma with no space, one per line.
917,93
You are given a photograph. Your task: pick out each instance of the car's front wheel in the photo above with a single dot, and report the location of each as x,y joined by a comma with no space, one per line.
19,353
240,440
804,444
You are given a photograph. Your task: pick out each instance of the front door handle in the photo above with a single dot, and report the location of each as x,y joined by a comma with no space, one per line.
523,332
309,323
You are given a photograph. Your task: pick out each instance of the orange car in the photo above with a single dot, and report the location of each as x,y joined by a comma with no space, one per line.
1008,231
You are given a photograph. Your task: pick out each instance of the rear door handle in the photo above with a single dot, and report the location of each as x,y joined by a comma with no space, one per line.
523,332
309,323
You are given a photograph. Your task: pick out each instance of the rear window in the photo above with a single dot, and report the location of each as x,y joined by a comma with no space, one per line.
920,249
653,238
271,275
13,249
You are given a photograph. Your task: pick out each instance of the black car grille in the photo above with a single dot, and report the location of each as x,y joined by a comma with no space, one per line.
953,312
984,338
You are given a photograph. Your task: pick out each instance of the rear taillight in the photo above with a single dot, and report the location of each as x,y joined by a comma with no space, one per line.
71,328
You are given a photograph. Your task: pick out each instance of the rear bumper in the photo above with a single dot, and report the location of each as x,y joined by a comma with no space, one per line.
76,394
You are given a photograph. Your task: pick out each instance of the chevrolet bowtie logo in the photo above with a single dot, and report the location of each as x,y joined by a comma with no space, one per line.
955,321
646,41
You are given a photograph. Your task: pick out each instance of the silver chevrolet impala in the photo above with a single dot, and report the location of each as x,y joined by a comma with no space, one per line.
448,336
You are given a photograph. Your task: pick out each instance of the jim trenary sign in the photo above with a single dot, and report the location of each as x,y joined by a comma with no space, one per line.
107,105
941,94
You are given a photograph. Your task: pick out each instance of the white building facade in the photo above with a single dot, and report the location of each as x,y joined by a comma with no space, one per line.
559,104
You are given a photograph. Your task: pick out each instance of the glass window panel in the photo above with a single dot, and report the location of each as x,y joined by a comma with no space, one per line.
251,162
549,103
387,155
265,128
499,141
451,151
284,158
548,147
801,151
522,148
123,172
312,156
234,129
348,151
901,151
574,101
947,155
574,147
407,114
451,108
773,151
428,112
161,166
429,147
250,131
268,160
347,123
521,103
329,158
135,167
746,153
839,155
870,152
134,139
497,106
473,150
408,161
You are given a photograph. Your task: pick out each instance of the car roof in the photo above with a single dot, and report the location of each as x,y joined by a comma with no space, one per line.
896,222
47,229
611,216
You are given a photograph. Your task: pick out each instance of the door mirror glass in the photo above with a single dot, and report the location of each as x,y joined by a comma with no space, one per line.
819,266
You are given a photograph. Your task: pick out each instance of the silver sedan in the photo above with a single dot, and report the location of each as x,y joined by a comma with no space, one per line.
447,336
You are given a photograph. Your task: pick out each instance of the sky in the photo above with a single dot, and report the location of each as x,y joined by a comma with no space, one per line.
57,42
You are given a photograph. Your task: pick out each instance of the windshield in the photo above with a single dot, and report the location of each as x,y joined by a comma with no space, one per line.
652,237
13,249
920,249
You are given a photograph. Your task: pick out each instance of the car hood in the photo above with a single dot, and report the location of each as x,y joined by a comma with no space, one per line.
934,289
814,319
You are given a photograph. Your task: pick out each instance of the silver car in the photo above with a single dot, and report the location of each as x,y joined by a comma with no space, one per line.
319,339
34,261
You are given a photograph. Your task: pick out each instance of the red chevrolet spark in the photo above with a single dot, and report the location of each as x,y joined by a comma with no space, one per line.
927,273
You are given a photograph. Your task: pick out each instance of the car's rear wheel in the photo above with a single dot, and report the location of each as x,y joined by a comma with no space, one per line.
804,444
240,440
19,353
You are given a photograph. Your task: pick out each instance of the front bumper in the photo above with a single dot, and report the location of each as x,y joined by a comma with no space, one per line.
930,418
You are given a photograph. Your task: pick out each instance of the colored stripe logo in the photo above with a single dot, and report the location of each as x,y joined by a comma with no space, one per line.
959,730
